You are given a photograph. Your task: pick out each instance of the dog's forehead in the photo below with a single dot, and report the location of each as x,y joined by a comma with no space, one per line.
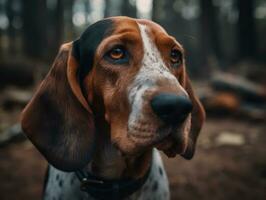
85,47
156,33
130,24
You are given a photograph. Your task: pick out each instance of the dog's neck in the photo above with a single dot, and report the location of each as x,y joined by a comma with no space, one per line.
109,163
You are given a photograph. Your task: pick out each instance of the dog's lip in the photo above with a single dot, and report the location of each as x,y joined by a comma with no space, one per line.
163,145
166,143
146,136
154,138
147,130
143,140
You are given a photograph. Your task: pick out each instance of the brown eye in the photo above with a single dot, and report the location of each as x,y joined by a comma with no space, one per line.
117,53
176,57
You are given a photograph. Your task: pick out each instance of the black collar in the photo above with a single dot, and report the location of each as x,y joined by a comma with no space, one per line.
109,189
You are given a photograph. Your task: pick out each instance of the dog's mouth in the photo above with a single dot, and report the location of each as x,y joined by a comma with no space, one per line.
144,134
169,138
151,136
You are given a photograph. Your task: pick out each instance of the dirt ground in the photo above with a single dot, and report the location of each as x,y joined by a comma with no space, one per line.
230,163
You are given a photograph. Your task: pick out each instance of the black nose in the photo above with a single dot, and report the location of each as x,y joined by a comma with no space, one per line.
171,108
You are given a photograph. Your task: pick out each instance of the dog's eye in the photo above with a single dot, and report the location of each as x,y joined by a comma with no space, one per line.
176,57
117,53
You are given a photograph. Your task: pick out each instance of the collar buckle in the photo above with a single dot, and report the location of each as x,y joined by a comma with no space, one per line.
85,182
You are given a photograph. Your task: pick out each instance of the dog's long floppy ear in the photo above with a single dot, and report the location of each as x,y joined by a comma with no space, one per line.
197,116
58,120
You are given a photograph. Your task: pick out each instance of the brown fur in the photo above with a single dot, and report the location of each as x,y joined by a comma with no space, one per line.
56,121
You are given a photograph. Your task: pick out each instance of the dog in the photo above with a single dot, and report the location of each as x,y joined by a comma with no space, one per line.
112,99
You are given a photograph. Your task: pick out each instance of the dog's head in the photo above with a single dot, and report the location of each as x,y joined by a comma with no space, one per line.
123,76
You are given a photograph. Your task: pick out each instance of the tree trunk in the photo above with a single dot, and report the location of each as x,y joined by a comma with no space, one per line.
209,30
128,9
69,28
11,30
56,27
209,36
164,14
113,7
246,29
35,28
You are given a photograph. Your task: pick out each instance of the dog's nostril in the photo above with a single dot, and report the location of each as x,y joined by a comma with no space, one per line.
171,108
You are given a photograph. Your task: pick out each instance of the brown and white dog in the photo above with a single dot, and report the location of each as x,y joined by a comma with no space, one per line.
113,96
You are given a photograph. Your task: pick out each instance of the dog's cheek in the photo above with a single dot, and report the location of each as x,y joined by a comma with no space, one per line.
117,114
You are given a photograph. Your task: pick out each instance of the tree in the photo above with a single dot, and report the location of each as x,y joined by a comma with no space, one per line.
209,32
113,7
164,13
34,16
56,27
247,44
11,29
129,9
68,13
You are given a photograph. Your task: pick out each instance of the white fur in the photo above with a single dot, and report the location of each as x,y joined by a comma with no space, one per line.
152,70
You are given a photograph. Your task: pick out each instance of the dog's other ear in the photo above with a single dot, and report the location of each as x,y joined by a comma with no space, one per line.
58,120
197,116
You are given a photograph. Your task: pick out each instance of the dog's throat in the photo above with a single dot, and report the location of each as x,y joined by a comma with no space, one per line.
108,163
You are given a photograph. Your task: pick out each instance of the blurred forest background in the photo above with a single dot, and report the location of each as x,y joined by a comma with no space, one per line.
225,43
